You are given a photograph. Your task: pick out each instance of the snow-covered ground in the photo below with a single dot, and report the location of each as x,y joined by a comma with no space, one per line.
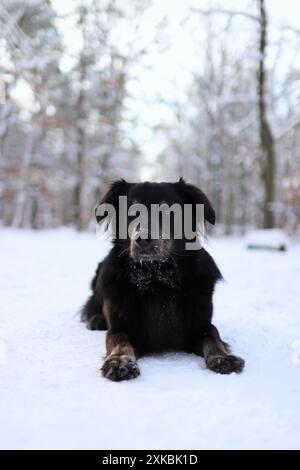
51,392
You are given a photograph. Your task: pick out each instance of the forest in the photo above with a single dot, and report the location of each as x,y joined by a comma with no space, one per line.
92,91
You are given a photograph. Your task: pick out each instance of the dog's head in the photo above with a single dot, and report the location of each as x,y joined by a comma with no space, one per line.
155,221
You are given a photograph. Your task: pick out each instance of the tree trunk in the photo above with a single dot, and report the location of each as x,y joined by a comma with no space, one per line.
22,188
266,137
80,131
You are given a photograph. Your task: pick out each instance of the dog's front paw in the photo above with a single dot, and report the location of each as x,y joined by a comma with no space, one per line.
119,367
226,364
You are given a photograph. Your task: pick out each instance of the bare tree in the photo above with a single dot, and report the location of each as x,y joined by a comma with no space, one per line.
266,135
267,158
80,124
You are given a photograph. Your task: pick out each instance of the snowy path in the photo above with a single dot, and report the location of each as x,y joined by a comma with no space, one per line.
52,396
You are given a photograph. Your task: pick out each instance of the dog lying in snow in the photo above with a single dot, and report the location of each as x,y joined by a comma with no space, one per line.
154,295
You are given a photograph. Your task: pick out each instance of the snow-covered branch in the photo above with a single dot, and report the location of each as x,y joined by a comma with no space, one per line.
227,12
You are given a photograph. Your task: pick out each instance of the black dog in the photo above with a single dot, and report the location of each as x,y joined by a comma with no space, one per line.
154,295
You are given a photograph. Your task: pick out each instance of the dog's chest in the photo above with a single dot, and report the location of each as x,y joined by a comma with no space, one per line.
161,323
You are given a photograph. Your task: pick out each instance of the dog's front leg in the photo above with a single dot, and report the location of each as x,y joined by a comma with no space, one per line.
120,362
217,353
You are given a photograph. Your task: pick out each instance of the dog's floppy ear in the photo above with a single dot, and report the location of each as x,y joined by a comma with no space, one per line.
116,189
193,195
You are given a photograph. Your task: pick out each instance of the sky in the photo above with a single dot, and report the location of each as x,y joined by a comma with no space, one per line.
166,72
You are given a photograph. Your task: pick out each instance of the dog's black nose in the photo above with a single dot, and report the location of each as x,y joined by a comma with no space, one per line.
143,242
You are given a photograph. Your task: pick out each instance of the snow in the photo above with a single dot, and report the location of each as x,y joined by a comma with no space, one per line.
51,392
267,238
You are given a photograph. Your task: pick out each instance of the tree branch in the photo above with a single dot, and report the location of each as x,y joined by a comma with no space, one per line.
224,11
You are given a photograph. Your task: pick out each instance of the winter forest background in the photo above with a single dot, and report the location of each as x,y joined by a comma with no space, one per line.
92,90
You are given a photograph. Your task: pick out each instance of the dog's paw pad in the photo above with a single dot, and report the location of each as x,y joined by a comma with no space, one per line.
118,368
226,364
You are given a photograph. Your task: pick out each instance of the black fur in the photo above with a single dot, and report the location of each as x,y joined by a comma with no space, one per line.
165,304
160,306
